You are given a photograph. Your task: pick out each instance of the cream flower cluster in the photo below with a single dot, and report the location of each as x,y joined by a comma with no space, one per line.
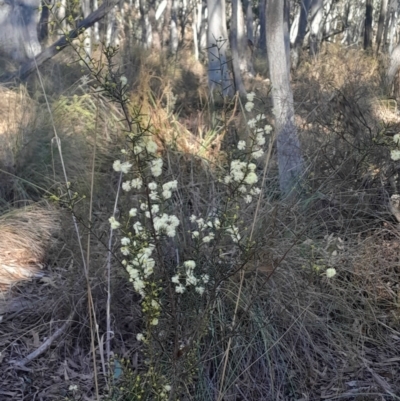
186,278
137,245
143,144
243,173
206,229
140,266
122,167
234,233
166,224
249,104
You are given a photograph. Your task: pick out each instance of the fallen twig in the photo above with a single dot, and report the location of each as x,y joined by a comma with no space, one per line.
46,345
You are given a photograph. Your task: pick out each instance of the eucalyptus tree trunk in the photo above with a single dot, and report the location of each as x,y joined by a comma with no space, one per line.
202,28
217,44
61,14
393,25
290,160
286,30
394,67
330,17
381,23
173,39
262,42
195,19
147,32
316,17
299,32
163,13
87,42
368,25
156,39
184,13
96,30
249,21
236,36
347,15
112,28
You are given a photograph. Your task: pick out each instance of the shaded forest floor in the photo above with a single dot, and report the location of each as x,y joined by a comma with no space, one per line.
300,335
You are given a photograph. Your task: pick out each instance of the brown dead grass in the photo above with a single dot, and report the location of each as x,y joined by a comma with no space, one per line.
26,235
16,113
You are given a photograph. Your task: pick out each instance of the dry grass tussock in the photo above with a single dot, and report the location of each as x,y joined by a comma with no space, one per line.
26,235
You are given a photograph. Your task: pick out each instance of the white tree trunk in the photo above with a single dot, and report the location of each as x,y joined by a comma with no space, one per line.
195,23
96,31
316,17
236,37
299,31
61,13
174,40
87,42
112,28
217,43
290,159
203,27
147,34
393,26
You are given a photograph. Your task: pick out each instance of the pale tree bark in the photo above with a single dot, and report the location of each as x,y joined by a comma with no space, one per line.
236,47
286,29
164,13
112,28
316,17
393,25
183,14
156,39
203,26
347,16
290,160
173,39
87,41
61,14
330,17
368,25
147,32
96,30
387,22
299,26
195,19
394,66
359,24
381,23
299,31
217,43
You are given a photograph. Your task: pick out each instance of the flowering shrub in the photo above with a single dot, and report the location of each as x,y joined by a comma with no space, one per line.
178,262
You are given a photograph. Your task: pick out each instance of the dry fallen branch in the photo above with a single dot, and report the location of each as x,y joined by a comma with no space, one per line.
46,345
